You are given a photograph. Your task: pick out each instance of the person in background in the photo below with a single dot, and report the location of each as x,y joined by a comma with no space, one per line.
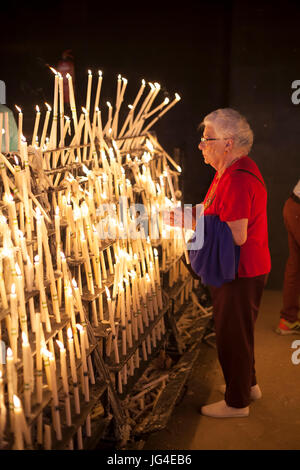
289,322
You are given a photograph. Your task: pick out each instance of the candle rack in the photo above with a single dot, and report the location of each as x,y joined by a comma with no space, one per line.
85,305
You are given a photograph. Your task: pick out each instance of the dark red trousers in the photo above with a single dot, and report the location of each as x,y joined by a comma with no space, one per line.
291,284
235,309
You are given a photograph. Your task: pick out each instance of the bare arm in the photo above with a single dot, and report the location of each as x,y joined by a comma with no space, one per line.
239,230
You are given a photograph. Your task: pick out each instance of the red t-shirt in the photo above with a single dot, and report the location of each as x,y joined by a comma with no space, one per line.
239,195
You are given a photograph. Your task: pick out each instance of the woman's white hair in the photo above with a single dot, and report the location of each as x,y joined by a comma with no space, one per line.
230,123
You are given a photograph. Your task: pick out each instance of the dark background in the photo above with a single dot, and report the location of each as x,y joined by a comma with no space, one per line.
214,54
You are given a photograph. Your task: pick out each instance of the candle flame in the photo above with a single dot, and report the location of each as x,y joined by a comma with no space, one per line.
46,353
24,338
155,252
16,160
166,101
69,333
130,106
85,169
143,82
36,259
119,77
37,109
13,289
107,292
100,73
18,270
147,277
53,70
177,97
60,344
89,72
62,255
19,109
108,104
9,352
157,85
79,327
57,210
74,283
17,403
125,80
68,76
179,168
84,110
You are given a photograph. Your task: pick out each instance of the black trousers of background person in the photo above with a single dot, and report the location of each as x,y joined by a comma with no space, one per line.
235,307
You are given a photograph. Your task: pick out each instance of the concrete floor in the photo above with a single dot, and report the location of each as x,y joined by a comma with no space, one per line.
274,421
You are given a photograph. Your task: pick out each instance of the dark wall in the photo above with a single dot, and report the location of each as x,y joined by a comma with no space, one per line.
214,54
265,60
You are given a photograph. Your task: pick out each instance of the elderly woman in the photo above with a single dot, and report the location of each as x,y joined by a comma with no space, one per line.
238,197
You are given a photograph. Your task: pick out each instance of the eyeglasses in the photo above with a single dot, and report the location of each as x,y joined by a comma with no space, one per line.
204,139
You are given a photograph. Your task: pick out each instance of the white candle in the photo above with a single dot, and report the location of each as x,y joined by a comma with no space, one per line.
36,125
63,365
177,98
20,127
73,369
18,424
84,363
14,320
26,372
45,127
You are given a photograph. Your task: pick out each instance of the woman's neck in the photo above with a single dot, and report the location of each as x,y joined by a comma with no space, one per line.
230,160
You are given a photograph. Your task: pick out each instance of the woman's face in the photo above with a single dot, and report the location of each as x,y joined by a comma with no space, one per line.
212,150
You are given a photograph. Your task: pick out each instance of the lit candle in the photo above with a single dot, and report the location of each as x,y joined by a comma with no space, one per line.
112,325
26,373
72,100
21,296
61,105
108,124
18,424
84,363
63,365
39,371
36,125
73,369
99,84
14,321
11,381
123,320
45,127
20,127
177,98
138,96
88,93
53,134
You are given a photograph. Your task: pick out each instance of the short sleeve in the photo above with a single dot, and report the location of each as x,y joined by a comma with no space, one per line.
236,199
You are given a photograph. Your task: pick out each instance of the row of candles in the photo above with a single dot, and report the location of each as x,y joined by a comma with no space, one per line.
134,123
134,301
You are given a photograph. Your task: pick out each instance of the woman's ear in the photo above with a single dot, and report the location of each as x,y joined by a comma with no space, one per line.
229,145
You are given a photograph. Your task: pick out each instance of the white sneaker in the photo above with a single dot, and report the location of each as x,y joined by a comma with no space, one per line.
221,410
255,391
